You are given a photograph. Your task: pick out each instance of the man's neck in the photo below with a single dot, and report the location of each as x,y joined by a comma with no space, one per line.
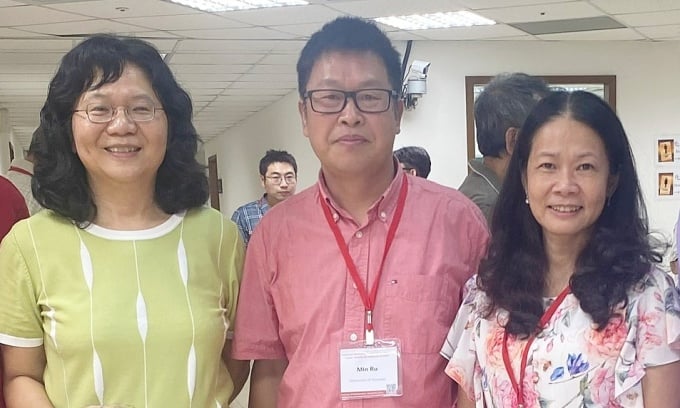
270,201
356,194
498,165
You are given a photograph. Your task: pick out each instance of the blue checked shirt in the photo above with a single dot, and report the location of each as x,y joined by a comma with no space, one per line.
249,215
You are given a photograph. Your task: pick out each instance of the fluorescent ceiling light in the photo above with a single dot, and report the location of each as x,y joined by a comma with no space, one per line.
228,5
435,20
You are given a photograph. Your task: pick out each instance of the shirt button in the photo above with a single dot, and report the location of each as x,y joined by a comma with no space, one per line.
335,216
383,216
353,337
359,234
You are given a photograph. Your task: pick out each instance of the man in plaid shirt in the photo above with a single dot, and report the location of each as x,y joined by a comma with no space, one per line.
278,175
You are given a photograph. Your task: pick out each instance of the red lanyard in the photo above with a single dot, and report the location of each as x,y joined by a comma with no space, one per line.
369,301
518,386
20,170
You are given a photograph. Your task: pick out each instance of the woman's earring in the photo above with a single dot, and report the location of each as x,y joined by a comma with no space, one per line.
526,200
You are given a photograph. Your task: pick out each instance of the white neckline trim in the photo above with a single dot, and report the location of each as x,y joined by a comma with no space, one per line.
122,235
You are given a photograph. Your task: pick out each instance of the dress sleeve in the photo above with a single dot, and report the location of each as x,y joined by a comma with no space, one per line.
20,319
460,347
653,318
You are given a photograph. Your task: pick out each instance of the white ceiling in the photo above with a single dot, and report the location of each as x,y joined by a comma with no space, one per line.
236,63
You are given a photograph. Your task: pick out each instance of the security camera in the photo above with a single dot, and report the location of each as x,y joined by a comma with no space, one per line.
415,85
419,68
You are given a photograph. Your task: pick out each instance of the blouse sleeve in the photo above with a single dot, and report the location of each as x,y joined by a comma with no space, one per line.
460,346
653,317
20,315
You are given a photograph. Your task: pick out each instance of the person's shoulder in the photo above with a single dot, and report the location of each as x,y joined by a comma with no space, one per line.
437,195
8,188
297,203
243,208
45,223
207,219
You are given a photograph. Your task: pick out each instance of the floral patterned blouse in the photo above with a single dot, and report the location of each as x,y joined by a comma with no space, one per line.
570,364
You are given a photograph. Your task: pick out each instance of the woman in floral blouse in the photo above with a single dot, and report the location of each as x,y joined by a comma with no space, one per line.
568,309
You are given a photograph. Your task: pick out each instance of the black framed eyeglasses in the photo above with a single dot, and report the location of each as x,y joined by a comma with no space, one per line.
335,100
277,179
103,113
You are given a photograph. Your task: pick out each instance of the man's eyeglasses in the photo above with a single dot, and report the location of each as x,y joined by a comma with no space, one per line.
335,100
277,179
103,113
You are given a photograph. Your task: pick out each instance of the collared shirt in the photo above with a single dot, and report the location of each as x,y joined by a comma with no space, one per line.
481,186
299,303
249,215
20,173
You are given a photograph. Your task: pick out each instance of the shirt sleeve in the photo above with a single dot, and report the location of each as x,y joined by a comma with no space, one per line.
20,318
256,336
653,339
239,220
231,263
460,347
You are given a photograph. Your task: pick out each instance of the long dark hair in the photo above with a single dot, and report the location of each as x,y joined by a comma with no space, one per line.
60,179
618,253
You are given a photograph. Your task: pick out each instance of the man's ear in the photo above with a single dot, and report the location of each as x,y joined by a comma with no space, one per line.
412,172
262,178
398,112
511,139
302,108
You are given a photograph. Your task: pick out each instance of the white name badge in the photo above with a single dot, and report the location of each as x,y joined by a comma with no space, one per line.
370,371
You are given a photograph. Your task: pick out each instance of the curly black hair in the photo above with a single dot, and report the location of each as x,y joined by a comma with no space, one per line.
60,180
618,252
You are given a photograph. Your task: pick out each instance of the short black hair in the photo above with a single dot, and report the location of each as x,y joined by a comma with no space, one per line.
505,102
349,34
276,156
414,157
60,180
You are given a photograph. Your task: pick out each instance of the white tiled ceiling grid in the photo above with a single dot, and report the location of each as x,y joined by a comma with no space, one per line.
236,63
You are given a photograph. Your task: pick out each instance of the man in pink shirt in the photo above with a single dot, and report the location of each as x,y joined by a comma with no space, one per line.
350,287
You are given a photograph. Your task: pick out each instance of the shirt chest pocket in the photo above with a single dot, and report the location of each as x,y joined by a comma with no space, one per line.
419,310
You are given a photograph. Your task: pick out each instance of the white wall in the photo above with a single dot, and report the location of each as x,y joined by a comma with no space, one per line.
648,96
239,152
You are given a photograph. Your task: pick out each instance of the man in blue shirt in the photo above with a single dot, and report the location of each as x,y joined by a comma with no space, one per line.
278,175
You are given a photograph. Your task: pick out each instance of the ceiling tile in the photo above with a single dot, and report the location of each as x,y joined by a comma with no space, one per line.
599,35
543,12
288,15
193,58
209,68
250,33
87,27
30,15
384,8
650,19
661,32
635,6
484,4
124,8
472,33
183,22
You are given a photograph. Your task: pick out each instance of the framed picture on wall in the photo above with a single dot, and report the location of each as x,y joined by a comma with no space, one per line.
665,150
665,184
